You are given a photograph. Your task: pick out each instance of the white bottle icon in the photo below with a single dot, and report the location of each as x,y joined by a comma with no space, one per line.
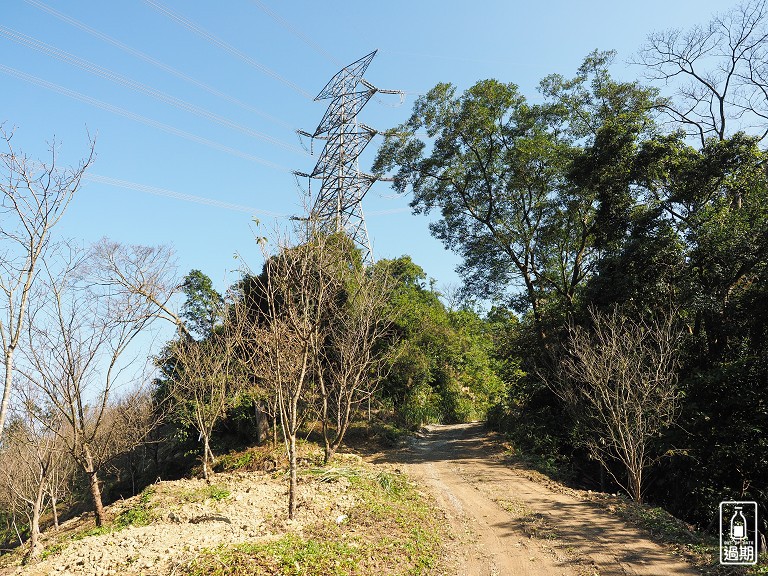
738,525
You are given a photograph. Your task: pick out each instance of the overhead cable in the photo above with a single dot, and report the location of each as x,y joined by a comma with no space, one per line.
177,195
138,118
139,87
225,46
155,62
164,192
296,32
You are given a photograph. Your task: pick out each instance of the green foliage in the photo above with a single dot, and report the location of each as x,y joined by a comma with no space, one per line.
442,371
241,460
208,491
582,201
290,555
422,405
52,550
218,492
136,516
203,306
146,495
98,531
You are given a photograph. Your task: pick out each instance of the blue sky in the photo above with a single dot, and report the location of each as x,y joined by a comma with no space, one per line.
260,64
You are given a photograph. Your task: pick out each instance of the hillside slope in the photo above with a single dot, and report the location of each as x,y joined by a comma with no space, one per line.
354,517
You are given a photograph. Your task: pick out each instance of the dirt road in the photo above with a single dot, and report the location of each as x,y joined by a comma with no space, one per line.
508,523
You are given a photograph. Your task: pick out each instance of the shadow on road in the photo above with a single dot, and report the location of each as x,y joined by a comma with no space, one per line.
516,506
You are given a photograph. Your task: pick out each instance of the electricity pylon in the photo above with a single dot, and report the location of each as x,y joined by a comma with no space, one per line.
336,207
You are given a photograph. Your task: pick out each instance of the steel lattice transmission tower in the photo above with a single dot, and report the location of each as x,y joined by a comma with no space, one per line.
337,206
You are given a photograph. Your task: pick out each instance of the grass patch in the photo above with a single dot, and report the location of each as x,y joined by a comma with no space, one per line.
136,516
263,458
147,494
52,550
213,491
236,461
218,493
98,531
376,435
290,555
333,473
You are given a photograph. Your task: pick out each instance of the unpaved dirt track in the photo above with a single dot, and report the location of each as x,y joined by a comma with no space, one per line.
509,524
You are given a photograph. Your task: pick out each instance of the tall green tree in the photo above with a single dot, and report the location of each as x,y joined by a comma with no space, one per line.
203,308
507,179
490,166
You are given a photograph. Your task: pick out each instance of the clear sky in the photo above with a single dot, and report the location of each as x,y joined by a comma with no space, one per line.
212,113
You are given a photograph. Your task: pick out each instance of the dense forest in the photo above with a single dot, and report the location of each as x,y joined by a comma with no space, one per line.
613,321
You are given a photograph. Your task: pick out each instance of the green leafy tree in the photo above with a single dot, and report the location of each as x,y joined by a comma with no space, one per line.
203,308
494,163
506,178
442,371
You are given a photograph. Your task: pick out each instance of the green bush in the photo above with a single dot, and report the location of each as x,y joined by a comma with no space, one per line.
422,406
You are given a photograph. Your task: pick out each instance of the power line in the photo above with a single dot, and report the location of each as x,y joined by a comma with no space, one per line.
177,195
138,118
225,46
149,59
296,32
317,47
139,87
166,193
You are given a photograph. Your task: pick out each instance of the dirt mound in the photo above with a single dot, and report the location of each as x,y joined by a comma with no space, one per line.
185,517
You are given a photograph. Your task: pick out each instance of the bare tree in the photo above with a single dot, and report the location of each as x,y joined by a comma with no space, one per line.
134,416
33,198
29,464
145,272
79,341
719,71
356,349
60,480
619,381
296,290
205,383
244,313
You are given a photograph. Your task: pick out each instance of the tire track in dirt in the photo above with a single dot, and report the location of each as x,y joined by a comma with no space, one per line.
505,523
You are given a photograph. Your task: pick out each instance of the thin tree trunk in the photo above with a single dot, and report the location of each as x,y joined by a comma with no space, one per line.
93,479
18,534
206,450
274,430
55,512
211,458
34,527
634,486
293,476
6,388
326,433
262,423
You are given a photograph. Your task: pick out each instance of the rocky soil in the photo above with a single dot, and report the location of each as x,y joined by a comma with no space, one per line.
188,516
